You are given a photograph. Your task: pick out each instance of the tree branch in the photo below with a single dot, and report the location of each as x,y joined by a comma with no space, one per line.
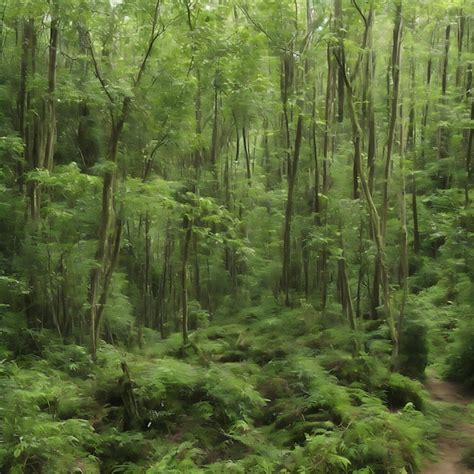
154,35
96,68
354,2
254,23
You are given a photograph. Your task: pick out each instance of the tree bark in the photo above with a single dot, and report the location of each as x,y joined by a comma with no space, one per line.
286,274
187,227
373,213
395,79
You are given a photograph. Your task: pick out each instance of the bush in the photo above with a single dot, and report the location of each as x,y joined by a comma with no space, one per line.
72,359
39,444
180,459
234,397
460,361
401,390
117,448
413,356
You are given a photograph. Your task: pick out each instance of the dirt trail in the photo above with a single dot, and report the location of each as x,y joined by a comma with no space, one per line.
452,442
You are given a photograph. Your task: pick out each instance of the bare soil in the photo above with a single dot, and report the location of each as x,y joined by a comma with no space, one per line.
455,435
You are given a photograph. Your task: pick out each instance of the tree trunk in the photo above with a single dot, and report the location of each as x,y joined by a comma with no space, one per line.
214,141
411,146
370,72
339,29
346,297
443,131
327,118
293,168
469,180
97,288
314,152
395,79
187,227
403,250
247,155
461,23
373,213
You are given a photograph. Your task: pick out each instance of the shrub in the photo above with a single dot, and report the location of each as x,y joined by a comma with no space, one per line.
40,444
460,360
413,356
234,397
177,460
401,390
72,359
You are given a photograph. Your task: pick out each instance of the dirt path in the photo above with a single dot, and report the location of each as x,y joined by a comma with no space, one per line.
453,439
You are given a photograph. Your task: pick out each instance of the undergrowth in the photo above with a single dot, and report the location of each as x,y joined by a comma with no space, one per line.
267,393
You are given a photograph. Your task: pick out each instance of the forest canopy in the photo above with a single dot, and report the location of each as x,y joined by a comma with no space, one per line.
236,236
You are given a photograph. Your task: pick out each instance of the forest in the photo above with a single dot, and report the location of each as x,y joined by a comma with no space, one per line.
236,236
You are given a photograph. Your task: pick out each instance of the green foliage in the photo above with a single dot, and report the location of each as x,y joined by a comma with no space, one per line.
401,391
71,359
177,460
320,454
460,361
235,416
413,357
235,396
151,172
41,428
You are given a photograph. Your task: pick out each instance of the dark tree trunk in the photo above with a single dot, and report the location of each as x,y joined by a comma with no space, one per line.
187,227
286,276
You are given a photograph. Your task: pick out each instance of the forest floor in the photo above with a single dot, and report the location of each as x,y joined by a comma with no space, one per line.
457,426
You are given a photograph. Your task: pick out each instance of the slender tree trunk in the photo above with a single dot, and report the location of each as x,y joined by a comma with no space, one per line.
323,274
198,119
99,285
166,271
214,141
339,28
24,96
373,213
403,248
45,127
197,272
247,155
461,24
286,274
394,72
370,72
360,275
328,117
444,76
267,163
314,152
187,227
424,118
395,80
51,102
346,294
143,318
305,253
443,131
411,146
110,228
469,148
